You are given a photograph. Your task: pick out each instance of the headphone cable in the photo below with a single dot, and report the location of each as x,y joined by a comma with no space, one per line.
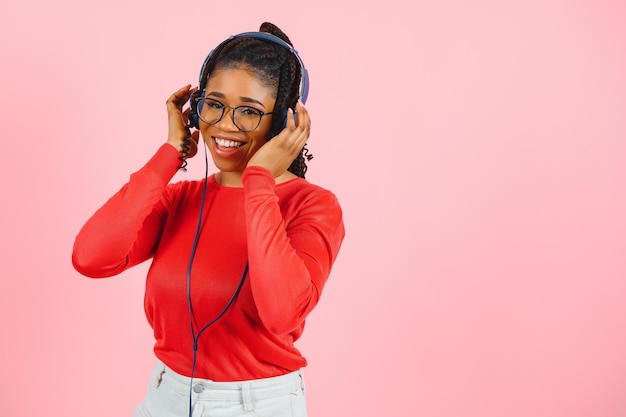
195,337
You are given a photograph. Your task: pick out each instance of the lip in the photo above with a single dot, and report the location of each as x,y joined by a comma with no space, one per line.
226,152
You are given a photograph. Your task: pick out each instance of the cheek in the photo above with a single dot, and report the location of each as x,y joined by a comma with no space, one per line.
259,136
256,143
205,132
264,130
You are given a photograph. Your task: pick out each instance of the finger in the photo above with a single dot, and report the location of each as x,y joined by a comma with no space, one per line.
181,96
294,142
301,140
193,144
181,91
304,123
186,116
291,123
303,120
195,136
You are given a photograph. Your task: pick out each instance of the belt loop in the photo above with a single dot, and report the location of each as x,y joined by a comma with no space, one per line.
247,399
301,380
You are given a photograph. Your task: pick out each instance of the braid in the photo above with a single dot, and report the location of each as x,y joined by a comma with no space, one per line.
298,166
273,65
289,90
283,95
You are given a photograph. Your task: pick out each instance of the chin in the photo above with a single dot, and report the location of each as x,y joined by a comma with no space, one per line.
229,166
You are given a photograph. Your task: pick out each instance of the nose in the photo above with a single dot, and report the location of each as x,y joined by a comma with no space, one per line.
227,122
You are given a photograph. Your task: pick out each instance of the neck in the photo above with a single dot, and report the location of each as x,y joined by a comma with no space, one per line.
229,179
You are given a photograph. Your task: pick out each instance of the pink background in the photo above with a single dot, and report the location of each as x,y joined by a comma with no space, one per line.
478,150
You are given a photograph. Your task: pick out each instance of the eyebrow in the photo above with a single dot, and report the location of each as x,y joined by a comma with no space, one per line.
244,99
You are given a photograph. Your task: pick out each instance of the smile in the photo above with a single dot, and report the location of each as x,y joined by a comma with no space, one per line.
224,143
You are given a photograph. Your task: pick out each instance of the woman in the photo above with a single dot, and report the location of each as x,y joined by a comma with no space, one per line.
240,258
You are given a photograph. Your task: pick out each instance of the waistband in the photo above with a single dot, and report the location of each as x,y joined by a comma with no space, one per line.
256,389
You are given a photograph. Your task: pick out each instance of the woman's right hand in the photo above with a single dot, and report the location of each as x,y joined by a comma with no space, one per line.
178,119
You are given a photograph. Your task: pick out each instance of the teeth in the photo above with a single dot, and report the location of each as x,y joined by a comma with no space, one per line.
227,143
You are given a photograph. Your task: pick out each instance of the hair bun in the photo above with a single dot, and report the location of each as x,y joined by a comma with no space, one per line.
272,29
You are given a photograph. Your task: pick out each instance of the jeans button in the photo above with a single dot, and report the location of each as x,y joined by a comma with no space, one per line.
198,388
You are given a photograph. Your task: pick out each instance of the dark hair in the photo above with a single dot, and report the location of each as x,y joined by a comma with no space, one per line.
275,66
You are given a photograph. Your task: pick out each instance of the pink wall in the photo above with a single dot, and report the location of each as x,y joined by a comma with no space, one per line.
479,153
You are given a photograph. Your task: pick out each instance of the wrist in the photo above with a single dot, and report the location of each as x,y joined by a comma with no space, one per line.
177,144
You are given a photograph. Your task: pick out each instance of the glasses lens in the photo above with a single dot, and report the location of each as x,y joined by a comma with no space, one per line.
210,111
247,118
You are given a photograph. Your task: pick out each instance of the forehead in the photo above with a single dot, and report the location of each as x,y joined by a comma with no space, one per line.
234,83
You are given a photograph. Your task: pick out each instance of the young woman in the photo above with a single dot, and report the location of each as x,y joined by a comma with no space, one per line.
239,258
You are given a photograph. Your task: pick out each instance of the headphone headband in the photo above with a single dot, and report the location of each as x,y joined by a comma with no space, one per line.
304,80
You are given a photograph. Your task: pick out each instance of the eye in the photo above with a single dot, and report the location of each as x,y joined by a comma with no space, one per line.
214,104
249,111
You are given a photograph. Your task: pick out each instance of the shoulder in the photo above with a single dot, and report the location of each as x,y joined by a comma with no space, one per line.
312,212
301,196
303,189
189,188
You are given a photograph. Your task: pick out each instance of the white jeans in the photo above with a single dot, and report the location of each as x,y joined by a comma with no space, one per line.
169,396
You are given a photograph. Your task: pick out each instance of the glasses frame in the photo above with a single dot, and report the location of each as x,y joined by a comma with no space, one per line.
232,114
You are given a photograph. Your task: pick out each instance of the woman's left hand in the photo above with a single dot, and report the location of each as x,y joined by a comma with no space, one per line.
278,153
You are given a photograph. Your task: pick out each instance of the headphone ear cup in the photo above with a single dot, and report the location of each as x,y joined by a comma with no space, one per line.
285,113
283,116
193,110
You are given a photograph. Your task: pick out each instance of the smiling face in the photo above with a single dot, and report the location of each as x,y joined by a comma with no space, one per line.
230,147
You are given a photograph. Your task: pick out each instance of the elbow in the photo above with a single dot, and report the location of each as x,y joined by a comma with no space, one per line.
84,267
282,327
90,267
281,321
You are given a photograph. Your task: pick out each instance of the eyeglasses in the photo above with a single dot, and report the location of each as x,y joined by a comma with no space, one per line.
246,118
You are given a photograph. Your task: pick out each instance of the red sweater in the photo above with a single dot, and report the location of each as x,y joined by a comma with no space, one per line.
289,233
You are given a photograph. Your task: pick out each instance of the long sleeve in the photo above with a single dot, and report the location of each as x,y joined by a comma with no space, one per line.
125,231
290,253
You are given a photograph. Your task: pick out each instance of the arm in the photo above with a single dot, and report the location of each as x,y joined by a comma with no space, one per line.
124,231
289,263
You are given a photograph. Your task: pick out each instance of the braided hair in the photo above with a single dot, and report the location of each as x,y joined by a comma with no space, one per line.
274,66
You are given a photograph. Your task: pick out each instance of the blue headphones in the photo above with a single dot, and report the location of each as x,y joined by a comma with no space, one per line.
304,80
